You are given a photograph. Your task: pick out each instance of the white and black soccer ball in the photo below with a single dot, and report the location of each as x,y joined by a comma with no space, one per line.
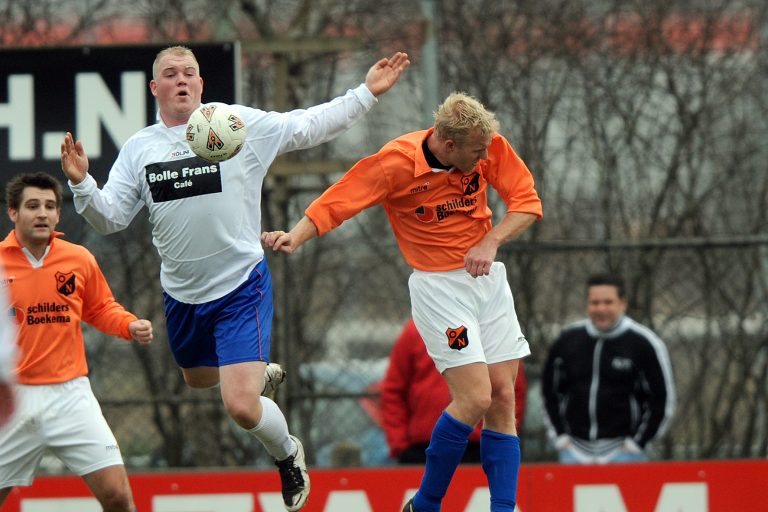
215,132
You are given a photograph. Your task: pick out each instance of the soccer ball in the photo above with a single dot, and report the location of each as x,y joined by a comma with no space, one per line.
215,132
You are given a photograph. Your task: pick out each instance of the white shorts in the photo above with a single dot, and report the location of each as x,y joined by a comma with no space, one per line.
64,418
466,320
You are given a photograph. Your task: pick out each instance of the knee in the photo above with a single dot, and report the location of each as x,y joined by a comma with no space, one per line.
475,402
117,500
504,398
483,402
245,410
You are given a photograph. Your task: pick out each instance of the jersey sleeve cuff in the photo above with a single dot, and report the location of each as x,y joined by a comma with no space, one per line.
85,187
365,96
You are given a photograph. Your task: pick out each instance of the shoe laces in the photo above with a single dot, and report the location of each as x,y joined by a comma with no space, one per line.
290,475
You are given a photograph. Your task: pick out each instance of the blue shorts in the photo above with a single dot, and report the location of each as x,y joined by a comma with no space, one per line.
233,329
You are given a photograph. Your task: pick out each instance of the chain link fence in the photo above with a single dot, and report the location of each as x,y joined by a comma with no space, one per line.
342,300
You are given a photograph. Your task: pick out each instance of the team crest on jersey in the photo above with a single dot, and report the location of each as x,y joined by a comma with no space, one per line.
425,214
470,183
65,283
457,337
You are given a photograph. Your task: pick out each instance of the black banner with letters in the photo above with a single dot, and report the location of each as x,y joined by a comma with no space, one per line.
99,93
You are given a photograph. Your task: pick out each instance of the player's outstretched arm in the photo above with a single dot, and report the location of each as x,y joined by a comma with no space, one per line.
141,331
74,161
287,243
386,72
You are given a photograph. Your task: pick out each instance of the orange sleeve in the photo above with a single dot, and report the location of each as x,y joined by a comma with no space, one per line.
512,179
100,309
363,186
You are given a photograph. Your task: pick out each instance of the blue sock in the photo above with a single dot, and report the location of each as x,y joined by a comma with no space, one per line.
500,455
446,448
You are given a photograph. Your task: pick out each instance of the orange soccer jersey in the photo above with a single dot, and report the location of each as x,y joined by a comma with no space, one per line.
49,301
436,215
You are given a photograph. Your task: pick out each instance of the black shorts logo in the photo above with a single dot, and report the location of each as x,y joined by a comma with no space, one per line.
457,337
65,283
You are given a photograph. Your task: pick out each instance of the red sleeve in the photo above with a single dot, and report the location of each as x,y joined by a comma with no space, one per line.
100,309
521,387
394,390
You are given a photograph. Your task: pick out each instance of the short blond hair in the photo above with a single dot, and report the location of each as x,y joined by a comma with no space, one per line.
462,116
179,51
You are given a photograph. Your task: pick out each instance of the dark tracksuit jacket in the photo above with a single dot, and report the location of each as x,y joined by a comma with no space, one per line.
608,385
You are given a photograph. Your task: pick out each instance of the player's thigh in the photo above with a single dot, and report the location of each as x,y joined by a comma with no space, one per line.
503,339
201,376
110,487
21,441
241,386
77,432
502,376
242,381
243,323
441,305
470,388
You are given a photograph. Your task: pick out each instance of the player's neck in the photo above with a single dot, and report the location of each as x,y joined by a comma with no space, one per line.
34,247
438,151
170,120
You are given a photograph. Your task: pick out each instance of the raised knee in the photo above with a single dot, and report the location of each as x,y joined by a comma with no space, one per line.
244,412
118,500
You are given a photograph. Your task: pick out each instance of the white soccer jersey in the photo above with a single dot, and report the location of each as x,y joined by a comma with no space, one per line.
207,217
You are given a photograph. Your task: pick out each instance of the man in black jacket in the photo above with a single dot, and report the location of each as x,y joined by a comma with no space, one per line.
607,382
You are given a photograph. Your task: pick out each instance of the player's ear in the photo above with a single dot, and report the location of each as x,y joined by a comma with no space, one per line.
153,87
13,214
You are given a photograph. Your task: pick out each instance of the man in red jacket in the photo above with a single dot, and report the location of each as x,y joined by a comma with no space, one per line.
414,394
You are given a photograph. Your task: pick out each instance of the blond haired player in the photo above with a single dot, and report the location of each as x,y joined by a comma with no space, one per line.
206,223
52,286
433,186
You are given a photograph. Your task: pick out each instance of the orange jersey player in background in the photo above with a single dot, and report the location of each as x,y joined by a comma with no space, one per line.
53,285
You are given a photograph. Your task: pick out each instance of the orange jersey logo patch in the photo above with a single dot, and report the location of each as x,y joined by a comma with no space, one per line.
65,283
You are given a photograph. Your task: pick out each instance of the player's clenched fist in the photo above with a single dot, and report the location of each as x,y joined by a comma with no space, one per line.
279,241
141,331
